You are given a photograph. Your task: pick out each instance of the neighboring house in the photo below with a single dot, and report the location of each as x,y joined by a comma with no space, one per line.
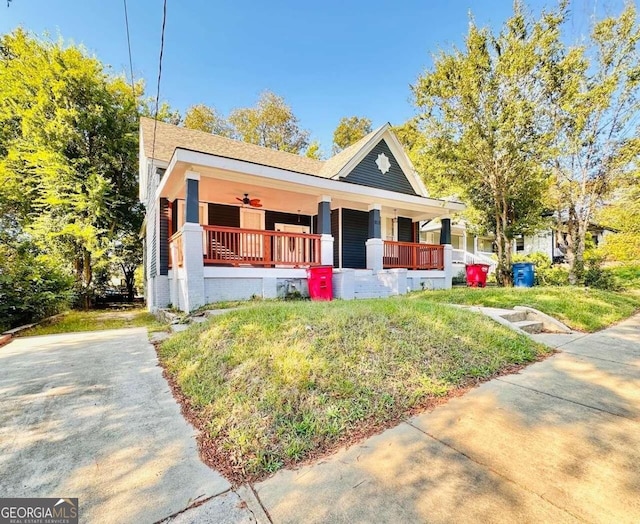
466,248
230,220
595,232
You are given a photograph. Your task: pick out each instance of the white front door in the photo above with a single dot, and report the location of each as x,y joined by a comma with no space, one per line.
292,249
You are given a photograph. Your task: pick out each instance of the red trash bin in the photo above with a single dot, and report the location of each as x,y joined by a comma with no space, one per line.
477,275
319,281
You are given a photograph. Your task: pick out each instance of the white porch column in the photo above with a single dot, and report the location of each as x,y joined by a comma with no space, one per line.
448,266
324,228
475,244
193,264
375,244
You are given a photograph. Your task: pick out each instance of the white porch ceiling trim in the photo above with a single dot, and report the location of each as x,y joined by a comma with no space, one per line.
184,159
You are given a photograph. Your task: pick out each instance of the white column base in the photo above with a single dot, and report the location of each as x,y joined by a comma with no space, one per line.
448,266
193,266
326,250
375,248
174,289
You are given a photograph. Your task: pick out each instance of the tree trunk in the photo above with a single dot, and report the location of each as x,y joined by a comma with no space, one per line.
129,280
504,261
503,270
86,276
575,248
580,246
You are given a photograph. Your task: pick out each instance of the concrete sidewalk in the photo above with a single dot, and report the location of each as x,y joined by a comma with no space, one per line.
89,415
559,442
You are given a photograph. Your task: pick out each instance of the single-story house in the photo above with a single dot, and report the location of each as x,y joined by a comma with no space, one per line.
468,248
230,220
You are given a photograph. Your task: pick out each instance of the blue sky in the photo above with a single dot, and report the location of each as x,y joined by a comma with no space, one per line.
327,58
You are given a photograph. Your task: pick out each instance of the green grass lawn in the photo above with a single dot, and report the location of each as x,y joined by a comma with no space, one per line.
276,382
93,320
580,308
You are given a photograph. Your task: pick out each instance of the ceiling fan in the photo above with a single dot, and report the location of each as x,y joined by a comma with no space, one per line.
253,202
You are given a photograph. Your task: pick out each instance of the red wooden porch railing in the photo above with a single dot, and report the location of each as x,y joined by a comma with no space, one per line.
235,246
410,255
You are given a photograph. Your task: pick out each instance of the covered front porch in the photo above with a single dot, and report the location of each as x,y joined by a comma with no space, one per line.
222,245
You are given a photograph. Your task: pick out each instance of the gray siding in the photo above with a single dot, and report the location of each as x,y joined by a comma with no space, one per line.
152,233
271,218
355,233
366,173
335,232
405,229
221,215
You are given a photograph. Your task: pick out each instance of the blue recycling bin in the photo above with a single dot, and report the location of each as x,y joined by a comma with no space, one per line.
523,274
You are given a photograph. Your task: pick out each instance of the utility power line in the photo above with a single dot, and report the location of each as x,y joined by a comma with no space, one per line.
155,116
126,23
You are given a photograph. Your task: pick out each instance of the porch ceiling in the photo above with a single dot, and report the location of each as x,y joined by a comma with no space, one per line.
293,192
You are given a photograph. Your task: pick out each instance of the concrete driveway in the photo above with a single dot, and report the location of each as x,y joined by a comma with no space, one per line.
558,442
89,415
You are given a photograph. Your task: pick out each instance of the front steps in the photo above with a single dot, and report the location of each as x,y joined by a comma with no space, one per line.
521,320
367,284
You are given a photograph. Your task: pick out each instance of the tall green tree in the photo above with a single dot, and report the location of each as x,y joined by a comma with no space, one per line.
69,147
622,214
271,123
314,151
479,111
349,130
592,109
165,112
207,119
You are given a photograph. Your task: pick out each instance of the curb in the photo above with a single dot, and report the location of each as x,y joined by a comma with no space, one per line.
7,336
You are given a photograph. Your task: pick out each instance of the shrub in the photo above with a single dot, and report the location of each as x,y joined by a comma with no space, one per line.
554,276
623,246
540,260
460,279
628,275
599,277
546,274
32,285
